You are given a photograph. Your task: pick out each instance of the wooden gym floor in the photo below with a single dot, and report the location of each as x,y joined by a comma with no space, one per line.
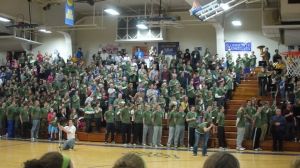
98,155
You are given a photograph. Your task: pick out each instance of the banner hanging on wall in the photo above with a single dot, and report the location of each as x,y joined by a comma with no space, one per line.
237,46
169,48
69,13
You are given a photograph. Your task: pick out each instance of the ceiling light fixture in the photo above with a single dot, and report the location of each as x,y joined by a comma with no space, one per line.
2,19
236,23
112,12
45,31
142,26
224,6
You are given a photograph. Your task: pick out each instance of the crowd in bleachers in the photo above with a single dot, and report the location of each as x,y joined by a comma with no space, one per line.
132,96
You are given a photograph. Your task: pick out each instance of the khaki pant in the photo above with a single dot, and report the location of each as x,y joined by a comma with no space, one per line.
264,129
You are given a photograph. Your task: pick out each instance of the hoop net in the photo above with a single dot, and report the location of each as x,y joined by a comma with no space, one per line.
292,61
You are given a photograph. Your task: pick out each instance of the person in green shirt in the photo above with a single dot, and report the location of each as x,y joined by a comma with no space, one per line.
109,117
171,123
89,113
25,122
191,119
191,93
264,120
157,119
36,118
221,130
2,115
138,125
257,128
148,125
202,132
247,65
179,127
248,119
240,124
125,116
75,101
98,117
11,113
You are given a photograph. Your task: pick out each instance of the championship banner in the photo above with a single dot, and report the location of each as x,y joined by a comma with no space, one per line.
69,13
169,48
237,46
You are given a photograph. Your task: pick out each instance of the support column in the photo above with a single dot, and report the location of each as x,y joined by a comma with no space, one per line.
220,40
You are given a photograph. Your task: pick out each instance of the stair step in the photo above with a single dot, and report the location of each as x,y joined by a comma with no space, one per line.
230,129
230,135
230,117
229,122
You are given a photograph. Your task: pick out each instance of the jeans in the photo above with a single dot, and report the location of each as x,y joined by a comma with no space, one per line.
204,138
191,136
179,135
171,136
137,133
11,128
221,137
126,133
147,134
240,136
157,133
110,129
69,144
35,128
256,137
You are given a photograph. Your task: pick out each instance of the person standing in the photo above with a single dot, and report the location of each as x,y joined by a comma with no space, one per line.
264,120
262,78
147,126
70,130
109,117
171,122
89,113
191,119
221,130
257,118
157,118
98,116
278,124
35,116
126,124
2,115
25,122
10,113
138,125
202,132
179,129
240,124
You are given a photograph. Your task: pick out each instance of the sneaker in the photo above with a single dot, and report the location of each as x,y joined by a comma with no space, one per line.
161,145
221,148
259,149
105,142
168,145
32,139
124,144
113,142
134,144
205,155
191,148
194,154
242,149
155,146
144,145
256,149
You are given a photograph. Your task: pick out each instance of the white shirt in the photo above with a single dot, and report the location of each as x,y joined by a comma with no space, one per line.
71,132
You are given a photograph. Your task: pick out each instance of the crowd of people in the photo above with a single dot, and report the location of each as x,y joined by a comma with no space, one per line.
133,95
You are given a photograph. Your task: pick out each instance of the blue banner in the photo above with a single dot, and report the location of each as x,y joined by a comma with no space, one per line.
169,48
237,46
69,13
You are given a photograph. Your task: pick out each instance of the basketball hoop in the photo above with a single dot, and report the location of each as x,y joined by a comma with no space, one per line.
292,61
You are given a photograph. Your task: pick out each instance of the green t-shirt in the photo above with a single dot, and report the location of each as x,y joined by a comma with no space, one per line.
125,115
200,127
190,115
220,119
2,113
35,113
180,118
11,112
158,118
258,120
75,102
138,116
214,112
24,114
241,116
109,116
98,112
171,118
148,117
44,112
88,112
208,117
247,62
